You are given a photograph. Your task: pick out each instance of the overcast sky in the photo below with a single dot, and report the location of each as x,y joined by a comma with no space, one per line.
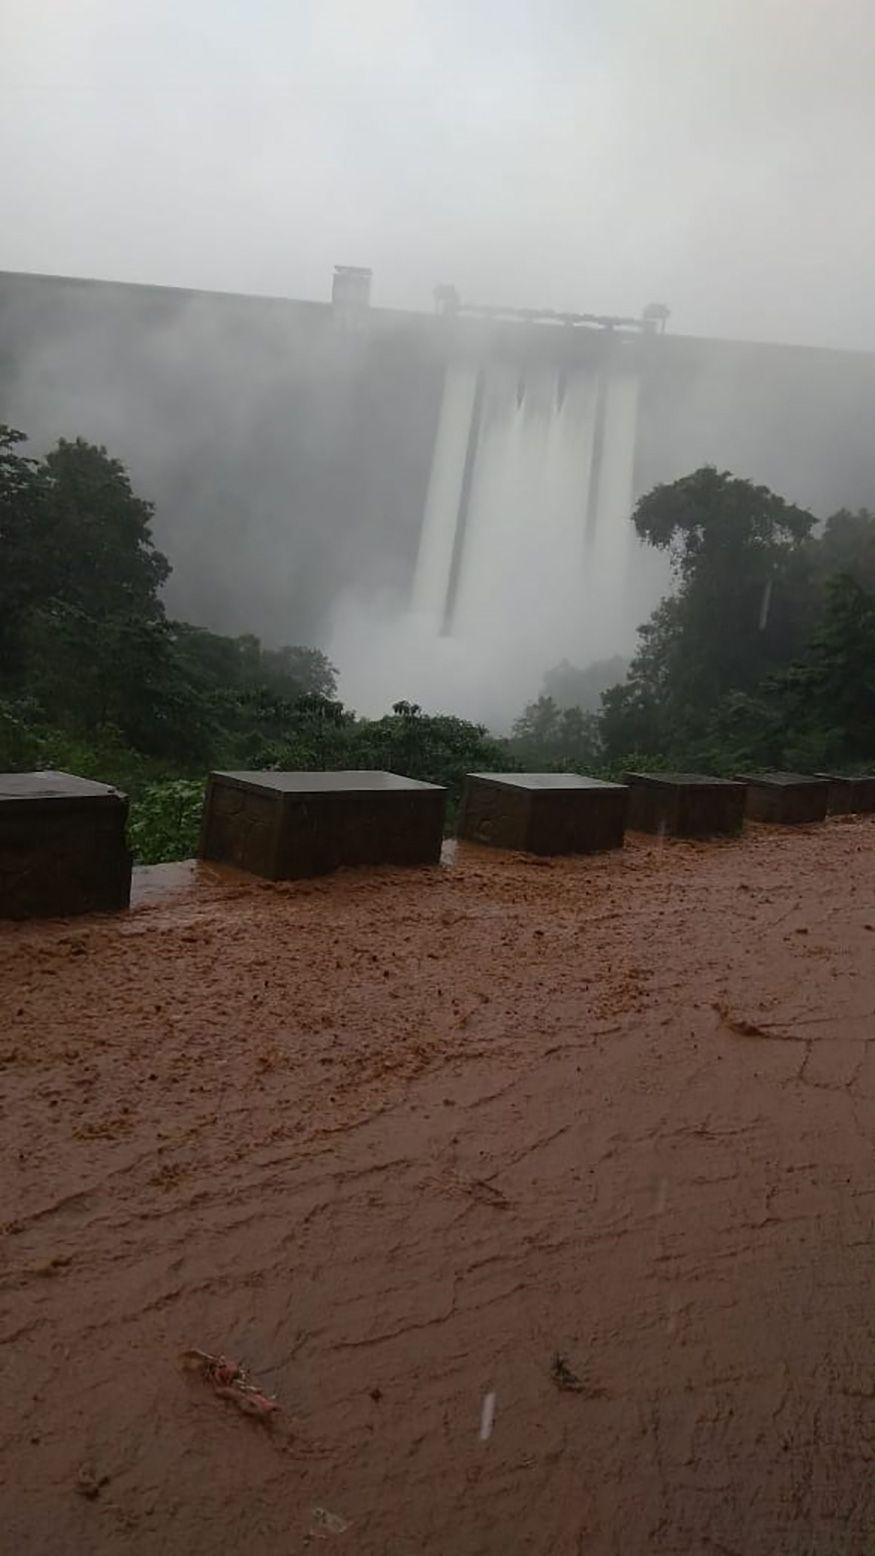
716,155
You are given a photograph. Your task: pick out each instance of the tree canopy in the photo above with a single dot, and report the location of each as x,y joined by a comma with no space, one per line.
84,636
765,614
762,654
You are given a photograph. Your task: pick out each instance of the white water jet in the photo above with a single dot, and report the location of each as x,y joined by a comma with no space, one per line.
432,576
514,573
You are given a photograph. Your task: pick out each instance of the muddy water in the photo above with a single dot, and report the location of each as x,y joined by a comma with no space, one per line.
540,1195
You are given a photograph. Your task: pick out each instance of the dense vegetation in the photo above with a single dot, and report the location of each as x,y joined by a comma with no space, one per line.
763,654
95,679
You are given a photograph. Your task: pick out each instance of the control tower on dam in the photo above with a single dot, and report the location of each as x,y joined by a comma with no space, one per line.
470,470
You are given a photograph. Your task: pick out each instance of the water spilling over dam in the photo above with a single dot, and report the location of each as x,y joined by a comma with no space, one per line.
531,486
440,500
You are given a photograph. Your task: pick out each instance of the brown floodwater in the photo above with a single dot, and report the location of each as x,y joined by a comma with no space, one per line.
538,1194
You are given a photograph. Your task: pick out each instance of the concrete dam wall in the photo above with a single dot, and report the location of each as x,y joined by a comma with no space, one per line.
443,502
531,487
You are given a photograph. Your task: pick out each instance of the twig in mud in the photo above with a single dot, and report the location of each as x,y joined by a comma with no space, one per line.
744,1028
479,1188
230,1381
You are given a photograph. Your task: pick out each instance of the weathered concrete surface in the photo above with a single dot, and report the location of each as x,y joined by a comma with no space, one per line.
684,804
543,813
62,846
789,799
286,826
850,796
397,1139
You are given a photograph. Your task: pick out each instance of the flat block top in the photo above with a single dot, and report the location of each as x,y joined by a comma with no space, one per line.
781,780
364,782
539,781
846,777
684,780
53,788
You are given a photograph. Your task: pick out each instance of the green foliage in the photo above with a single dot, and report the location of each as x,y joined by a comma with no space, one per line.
749,590
827,699
572,687
848,546
763,655
551,738
84,641
102,559
744,603
22,545
165,820
433,748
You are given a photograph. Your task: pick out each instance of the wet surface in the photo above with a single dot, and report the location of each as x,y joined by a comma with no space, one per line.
540,1193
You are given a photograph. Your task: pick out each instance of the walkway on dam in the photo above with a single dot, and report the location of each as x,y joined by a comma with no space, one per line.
539,1194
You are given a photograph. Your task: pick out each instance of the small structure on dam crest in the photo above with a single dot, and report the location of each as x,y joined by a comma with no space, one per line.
684,804
789,798
285,826
62,846
543,813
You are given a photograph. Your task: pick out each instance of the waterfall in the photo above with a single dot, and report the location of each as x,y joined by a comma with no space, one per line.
612,543
526,551
535,553
432,577
521,571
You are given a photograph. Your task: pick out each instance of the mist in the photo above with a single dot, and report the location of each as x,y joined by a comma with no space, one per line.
574,157
574,154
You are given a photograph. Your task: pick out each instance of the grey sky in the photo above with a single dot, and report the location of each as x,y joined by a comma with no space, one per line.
591,154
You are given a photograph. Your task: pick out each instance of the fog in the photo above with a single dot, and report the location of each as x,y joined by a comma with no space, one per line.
711,154
567,153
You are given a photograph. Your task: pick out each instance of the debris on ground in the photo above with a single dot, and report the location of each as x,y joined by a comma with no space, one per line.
566,1379
90,1485
230,1380
325,1522
563,1376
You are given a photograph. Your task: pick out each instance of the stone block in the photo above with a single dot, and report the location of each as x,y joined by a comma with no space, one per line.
62,846
684,804
286,826
786,798
543,813
850,795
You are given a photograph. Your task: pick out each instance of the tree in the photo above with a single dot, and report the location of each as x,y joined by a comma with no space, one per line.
745,602
848,546
571,687
832,689
103,560
293,671
818,711
550,737
84,634
23,547
83,623
435,748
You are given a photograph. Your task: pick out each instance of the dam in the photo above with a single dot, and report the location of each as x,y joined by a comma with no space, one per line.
525,531
440,500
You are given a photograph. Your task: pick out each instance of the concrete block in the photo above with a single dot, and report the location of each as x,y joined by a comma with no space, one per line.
684,804
543,813
286,826
850,795
785,798
62,846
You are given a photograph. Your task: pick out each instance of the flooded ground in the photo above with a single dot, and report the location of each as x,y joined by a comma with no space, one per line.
540,1196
